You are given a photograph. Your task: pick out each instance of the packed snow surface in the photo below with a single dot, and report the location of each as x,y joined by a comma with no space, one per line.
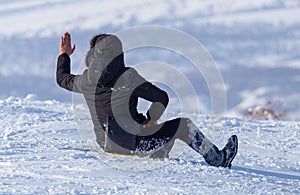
41,153
256,45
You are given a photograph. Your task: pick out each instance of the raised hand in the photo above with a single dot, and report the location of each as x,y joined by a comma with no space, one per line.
65,44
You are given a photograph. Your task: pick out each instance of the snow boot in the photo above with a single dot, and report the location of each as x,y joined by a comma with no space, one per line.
222,158
230,151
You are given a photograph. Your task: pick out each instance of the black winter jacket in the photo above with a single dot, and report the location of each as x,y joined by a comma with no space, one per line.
112,92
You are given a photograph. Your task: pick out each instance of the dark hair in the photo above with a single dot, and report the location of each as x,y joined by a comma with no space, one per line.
97,38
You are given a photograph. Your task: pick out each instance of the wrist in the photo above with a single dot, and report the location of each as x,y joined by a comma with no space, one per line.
63,54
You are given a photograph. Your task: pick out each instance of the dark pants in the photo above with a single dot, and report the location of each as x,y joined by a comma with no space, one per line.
157,141
160,138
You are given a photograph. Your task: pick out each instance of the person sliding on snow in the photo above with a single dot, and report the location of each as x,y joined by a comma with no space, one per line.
111,91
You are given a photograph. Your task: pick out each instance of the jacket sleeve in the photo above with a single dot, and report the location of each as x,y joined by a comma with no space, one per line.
158,97
63,76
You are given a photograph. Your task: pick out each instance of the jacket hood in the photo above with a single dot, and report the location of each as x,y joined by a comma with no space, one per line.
105,60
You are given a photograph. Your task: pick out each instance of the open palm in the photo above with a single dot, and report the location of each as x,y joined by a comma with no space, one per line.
65,44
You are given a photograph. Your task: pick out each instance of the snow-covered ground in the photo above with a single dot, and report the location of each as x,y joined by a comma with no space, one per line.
41,153
256,45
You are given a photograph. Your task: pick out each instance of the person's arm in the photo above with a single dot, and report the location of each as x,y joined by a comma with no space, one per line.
64,78
158,97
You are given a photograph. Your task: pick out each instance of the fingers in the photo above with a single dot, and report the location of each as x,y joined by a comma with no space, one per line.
65,44
61,41
61,46
66,35
73,48
67,39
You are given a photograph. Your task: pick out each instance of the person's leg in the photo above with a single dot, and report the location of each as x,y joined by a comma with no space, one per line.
185,130
191,135
163,136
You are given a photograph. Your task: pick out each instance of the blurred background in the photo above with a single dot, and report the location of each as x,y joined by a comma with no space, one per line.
256,45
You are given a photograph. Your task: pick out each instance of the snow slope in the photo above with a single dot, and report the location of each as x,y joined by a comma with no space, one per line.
255,44
41,153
